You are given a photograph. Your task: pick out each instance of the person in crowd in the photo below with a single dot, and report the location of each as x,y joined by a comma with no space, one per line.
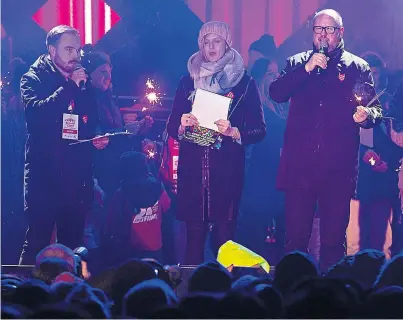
58,176
320,153
210,178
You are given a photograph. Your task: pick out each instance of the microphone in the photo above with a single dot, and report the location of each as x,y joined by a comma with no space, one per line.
81,85
324,49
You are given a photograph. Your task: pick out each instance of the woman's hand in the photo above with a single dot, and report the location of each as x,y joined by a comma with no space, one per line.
224,127
189,120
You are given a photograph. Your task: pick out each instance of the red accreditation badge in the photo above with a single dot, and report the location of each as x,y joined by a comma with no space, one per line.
342,76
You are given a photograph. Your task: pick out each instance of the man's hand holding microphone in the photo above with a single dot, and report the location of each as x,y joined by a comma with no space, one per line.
79,76
318,59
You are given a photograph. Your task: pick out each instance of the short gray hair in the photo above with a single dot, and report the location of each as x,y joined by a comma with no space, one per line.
331,13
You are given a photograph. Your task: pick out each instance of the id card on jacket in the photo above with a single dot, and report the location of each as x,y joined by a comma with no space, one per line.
70,126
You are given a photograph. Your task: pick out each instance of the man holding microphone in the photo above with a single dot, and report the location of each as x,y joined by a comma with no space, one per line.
58,175
328,88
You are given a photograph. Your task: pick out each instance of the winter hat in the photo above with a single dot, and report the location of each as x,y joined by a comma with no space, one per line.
94,59
265,45
133,165
210,277
216,27
142,299
56,250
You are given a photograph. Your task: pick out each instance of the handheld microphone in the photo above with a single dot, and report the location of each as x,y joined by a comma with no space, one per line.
81,85
324,49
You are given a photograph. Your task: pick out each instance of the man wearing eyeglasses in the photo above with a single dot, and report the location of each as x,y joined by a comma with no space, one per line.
330,91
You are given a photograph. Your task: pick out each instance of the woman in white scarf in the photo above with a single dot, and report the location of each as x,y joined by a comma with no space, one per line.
210,179
216,67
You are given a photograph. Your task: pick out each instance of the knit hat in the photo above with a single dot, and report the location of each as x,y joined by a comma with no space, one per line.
210,277
94,59
56,250
133,165
265,45
217,27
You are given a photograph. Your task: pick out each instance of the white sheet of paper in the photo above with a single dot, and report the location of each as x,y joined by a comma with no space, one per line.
209,107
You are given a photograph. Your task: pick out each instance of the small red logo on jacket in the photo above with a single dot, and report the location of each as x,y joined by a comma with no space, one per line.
85,119
342,76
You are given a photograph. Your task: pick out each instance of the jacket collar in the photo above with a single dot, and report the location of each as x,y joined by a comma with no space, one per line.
336,53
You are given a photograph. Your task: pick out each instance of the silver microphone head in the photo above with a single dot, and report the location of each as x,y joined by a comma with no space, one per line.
323,46
77,65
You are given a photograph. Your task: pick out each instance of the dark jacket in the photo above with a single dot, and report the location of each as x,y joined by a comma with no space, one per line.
227,164
47,94
372,185
106,162
321,138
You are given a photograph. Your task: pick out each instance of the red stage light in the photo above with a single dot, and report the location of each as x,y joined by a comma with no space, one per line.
93,18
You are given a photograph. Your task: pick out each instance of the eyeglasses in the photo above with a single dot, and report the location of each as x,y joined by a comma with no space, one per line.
328,29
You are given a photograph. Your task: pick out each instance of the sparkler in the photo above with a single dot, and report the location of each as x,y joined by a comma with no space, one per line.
357,98
150,154
152,93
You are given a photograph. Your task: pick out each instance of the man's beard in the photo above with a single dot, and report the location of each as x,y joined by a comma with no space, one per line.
65,67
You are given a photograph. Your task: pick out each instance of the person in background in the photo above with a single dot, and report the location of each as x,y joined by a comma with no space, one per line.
210,178
58,176
13,138
168,173
377,190
135,212
262,206
99,67
264,47
396,112
320,153
106,158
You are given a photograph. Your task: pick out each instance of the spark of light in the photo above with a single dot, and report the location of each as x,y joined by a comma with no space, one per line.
150,84
357,97
372,161
152,97
150,154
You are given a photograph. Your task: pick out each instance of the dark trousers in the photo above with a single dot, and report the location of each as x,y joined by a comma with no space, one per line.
333,200
196,233
375,218
168,232
54,202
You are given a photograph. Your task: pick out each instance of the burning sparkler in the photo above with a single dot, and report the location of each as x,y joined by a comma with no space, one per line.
152,94
357,98
150,84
